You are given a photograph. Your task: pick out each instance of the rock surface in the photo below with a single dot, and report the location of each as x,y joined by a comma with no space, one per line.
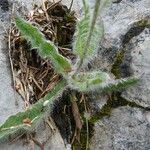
137,59
127,33
125,129
8,97
120,17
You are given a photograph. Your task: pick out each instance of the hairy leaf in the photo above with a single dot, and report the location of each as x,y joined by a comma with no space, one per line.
44,47
119,84
82,35
88,81
16,123
97,80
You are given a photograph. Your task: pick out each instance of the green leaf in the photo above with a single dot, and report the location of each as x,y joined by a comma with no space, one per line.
14,124
97,80
119,84
88,81
82,35
44,47
61,64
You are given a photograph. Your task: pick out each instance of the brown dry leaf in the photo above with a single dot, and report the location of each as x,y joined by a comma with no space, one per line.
77,118
19,87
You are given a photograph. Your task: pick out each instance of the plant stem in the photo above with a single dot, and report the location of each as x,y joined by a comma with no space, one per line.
87,135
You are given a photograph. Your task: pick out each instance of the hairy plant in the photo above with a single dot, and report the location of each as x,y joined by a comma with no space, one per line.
29,119
87,36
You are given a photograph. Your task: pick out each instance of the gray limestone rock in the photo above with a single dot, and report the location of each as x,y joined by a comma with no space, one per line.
127,32
137,60
97,101
123,22
8,96
119,19
125,129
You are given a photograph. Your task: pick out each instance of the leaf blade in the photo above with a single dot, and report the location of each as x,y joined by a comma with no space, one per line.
45,48
98,80
88,34
15,123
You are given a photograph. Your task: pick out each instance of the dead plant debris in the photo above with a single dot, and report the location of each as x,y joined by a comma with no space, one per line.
34,76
